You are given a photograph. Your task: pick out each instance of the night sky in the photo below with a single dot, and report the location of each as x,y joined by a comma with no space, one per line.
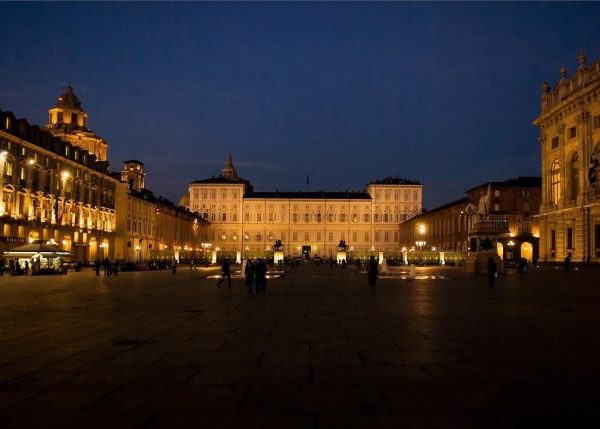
442,93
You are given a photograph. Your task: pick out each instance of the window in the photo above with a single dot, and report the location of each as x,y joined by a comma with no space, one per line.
343,217
554,142
386,217
330,236
496,207
553,239
366,236
597,235
386,236
354,217
354,238
295,236
416,195
306,236
396,236
258,217
555,182
342,235
330,217
9,169
526,206
366,218
224,195
319,217
246,217
295,217
569,238
525,193
497,193
306,217
406,195
575,176
319,236
271,217
596,122
213,195
258,236
572,132
376,217
235,217
224,217
376,235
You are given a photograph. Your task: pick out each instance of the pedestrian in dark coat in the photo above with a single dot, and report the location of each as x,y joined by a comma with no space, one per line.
225,273
492,271
249,276
372,272
97,266
260,277
568,263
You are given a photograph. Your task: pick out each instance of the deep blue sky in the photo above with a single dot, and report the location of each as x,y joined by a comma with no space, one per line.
443,93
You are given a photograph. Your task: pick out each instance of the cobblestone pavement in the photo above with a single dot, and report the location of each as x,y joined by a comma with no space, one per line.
318,351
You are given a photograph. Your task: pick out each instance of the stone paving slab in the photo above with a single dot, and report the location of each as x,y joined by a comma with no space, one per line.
152,350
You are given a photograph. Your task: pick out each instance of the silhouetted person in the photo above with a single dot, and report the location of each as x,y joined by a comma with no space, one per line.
116,267
26,267
225,273
568,263
492,271
249,276
97,266
260,277
2,266
174,266
106,265
372,272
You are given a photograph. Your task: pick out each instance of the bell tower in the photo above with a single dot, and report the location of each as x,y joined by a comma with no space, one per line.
68,120
229,170
133,174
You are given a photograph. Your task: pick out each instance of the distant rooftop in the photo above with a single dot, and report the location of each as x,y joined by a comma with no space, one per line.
316,195
394,180
519,182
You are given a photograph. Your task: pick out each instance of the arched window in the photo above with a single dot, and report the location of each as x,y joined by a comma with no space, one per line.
555,182
575,176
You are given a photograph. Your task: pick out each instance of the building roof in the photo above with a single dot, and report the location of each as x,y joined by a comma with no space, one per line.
462,202
519,182
317,195
222,180
133,160
68,100
394,180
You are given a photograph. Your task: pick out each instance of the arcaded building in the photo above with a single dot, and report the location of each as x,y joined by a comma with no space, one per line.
53,190
151,227
310,223
569,125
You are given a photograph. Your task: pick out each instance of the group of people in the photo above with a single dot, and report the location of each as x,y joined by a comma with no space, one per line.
255,274
109,268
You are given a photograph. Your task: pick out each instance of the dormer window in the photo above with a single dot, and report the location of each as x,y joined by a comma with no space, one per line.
73,118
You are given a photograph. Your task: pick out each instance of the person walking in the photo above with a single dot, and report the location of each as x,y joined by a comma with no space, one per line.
492,271
97,266
106,266
116,267
26,267
568,263
249,276
225,273
174,266
372,272
260,277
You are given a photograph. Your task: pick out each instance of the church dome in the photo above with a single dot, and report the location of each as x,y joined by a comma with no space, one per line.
68,100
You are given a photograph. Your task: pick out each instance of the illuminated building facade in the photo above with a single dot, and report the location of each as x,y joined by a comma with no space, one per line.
150,227
514,205
569,125
69,121
53,190
310,223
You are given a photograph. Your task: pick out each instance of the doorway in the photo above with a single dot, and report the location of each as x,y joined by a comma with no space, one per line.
306,252
527,251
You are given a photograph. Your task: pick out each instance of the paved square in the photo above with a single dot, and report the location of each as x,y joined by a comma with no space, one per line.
152,349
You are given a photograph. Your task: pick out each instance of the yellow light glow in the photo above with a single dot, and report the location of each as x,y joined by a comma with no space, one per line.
30,162
422,229
511,243
65,174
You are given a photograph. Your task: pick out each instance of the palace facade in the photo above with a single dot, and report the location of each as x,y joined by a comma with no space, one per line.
307,223
514,205
569,126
